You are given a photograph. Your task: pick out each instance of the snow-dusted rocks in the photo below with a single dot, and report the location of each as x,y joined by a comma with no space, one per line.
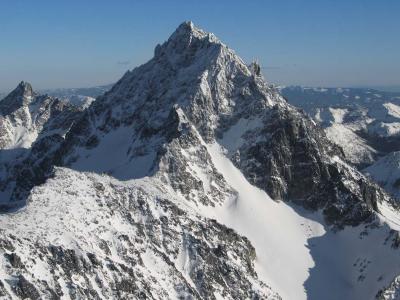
24,114
364,122
30,125
386,171
193,84
93,237
290,158
81,97
169,185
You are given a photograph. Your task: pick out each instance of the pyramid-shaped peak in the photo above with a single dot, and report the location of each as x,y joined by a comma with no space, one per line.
186,31
186,40
25,89
188,27
22,95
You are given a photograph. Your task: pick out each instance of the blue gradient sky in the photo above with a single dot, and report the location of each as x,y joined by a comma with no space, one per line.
84,43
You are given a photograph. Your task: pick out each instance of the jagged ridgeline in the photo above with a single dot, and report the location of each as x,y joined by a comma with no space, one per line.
191,178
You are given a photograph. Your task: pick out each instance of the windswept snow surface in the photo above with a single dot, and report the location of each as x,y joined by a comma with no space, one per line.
356,149
386,171
111,157
338,114
277,232
296,255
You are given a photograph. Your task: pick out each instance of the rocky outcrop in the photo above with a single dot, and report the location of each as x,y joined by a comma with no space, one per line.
32,126
291,158
121,258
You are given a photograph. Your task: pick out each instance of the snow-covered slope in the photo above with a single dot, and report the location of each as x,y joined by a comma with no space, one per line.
365,123
93,237
368,117
355,147
299,256
78,96
24,114
193,178
29,124
386,171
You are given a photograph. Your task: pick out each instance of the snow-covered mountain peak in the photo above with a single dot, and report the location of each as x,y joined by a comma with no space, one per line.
194,70
21,96
191,45
188,29
164,188
25,88
25,113
187,33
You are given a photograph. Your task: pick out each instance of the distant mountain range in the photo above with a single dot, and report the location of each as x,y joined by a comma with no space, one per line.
364,122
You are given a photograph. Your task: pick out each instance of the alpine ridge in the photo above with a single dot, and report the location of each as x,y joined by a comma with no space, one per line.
192,178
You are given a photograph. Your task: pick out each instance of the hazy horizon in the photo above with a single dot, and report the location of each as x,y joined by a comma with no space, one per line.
315,43
379,88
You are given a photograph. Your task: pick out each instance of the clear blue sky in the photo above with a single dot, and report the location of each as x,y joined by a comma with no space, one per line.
84,43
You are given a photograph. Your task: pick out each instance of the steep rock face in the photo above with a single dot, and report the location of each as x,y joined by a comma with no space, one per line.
21,96
24,114
364,122
193,70
31,126
291,158
16,117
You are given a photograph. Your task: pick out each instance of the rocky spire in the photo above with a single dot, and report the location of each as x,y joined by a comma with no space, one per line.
25,88
187,37
21,96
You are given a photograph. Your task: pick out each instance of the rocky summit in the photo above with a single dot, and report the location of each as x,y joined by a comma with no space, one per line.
191,178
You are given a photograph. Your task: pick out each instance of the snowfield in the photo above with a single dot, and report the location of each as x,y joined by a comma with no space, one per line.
386,171
295,253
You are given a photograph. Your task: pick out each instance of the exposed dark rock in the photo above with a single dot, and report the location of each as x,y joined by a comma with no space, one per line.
14,260
294,161
24,289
